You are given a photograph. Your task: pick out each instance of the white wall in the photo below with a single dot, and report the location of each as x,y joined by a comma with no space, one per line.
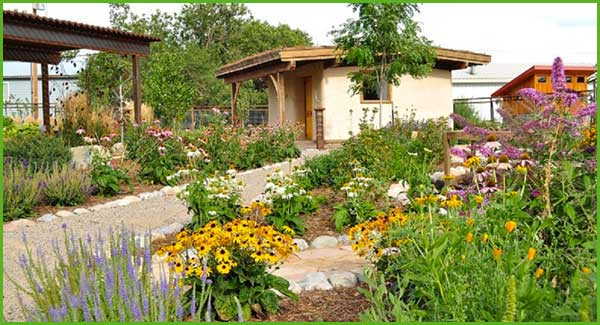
478,89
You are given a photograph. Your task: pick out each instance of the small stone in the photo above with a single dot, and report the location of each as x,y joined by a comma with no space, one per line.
47,217
301,243
324,242
295,287
150,195
170,229
158,236
65,214
132,198
97,207
15,225
168,190
437,176
341,279
118,149
315,281
344,240
81,211
395,189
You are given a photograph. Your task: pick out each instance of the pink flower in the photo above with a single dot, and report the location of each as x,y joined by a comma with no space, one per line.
162,150
135,125
106,139
80,131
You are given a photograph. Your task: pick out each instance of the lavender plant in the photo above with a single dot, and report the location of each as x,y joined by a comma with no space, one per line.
67,185
22,191
102,279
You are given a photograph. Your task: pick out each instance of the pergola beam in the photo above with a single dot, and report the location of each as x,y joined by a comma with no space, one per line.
261,72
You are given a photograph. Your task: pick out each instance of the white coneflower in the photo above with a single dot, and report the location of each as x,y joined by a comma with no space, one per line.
212,213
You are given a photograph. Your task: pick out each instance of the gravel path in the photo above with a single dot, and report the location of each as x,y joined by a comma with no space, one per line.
140,216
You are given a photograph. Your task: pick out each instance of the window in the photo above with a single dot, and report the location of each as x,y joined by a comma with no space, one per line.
569,79
541,79
580,79
370,91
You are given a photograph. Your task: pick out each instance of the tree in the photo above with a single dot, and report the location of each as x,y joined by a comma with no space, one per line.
385,43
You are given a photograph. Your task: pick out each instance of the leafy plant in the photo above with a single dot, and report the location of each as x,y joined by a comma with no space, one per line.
102,280
40,151
288,201
23,189
67,186
357,207
105,178
234,257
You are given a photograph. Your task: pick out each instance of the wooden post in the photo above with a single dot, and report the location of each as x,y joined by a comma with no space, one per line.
281,97
492,109
320,123
192,118
34,91
446,154
235,90
137,90
45,99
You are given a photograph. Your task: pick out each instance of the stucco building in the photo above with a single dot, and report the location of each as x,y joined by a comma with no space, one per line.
301,79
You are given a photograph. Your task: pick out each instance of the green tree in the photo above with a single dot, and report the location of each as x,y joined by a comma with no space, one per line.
385,43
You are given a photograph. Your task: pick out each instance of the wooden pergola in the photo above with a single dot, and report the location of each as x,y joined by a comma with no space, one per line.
38,39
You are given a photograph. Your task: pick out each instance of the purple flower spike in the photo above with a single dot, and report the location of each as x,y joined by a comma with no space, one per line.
559,80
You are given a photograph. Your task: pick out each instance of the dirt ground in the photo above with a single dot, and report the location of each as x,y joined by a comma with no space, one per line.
319,222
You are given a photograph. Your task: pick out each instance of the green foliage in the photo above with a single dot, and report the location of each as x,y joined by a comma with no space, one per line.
12,130
326,170
67,186
386,40
39,150
215,198
358,206
105,178
22,190
468,112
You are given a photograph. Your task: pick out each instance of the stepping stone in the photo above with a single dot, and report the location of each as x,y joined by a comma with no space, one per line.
132,198
47,217
65,214
315,281
150,195
168,190
97,207
344,240
324,242
81,211
342,279
301,243
170,229
15,225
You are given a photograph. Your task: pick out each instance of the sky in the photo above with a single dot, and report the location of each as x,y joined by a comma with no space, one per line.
510,33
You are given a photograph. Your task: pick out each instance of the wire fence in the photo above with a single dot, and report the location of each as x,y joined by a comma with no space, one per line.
487,107
202,115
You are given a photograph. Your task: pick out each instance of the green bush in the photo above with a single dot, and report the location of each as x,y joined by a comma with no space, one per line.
328,170
106,179
11,130
22,191
67,186
40,150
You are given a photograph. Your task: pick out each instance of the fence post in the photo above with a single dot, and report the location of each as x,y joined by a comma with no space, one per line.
320,127
446,154
492,109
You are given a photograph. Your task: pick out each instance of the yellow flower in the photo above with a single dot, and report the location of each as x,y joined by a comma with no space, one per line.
531,253
538,273
288,230
420,200
484,238
496,253
432,198
454,202
586,270
510,226
223,268
521,169
221,254
178,266
448,177
478,199
470,221
469,237
472,161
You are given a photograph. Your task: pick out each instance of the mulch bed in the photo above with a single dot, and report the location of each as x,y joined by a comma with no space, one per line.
319,222
337,305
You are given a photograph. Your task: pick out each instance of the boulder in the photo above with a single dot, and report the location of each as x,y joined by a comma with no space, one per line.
170,229
132,199
82,155
81,211
341,279
17,224
65,214
150,195
295,287
301,243
398,192
47,217
324,242
118,149
315,281
168,190
344,240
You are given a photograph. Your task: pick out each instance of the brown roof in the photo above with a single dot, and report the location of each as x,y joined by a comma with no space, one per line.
504,90
306,53
23,17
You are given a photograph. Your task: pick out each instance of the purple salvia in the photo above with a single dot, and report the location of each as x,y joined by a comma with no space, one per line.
207,317
145,304
193,303
122,287
22,261
535,97
204,269
135,310
559,80
84,288
55,314
24,237
110,285
161,311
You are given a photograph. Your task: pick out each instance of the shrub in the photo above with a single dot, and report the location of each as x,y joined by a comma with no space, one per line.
11,129
41,151
23,190
327,170
234,258
466,111
357,207
106,179
287,201
67,186
216,198
101,280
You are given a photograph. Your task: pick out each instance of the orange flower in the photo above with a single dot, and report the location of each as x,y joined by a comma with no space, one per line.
484,238
497,252
538,273
531,253
586,270
469,237
510,226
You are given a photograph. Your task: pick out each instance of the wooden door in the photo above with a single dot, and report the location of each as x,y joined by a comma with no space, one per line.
308,109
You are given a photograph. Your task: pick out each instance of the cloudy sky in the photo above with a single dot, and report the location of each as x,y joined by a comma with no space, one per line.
511,33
